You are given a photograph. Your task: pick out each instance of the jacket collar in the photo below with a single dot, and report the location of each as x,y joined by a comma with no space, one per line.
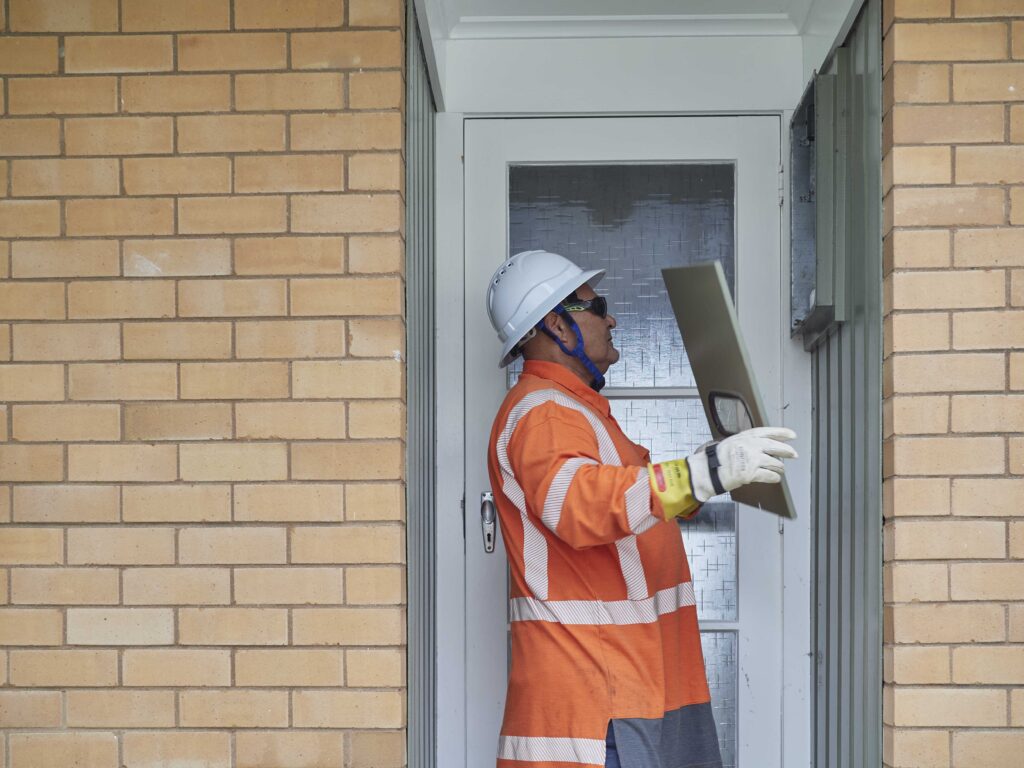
568,380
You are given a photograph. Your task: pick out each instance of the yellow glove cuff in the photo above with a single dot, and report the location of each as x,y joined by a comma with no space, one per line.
670,482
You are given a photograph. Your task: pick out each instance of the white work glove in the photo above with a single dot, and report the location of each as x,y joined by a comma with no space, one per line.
751,456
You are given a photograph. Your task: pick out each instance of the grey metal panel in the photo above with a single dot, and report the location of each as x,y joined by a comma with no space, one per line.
421,378
847,435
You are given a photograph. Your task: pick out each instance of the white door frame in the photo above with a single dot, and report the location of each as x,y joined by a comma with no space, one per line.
451,507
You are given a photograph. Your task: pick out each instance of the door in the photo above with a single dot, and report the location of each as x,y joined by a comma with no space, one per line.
633,195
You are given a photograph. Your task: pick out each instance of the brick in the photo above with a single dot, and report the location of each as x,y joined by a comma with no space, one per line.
348,626
347,544
176,175
917,83
989,165
30,709
234,709
119,135
31,546
290,749
269,14
232,545
348,709
232,381
980,8
231,626
289,91
995,497
51,423
292,667
31,301
988,82
1017,33
176,503
29,218
916,582
987,749
120,546
949,540
988,248
375,668
957,124
232,298
948,456
288,255
177,586
231,133
186,15
160,749
986,664
61,95
32,136
1017,541
232,51
376,90
916,249
1017,284
31,626
948,372
122,463
376,337
916,332
121,299
64,178
120,626
120,709
66,503
31,463
123,381
177,340
347,130
1016,456
1017,124
345,213
120,216
290,339
28,56
288,586
1017,206
63,669
290,173
65,586
382,418
375,586
215,215
375,13
346,296
299,502
119,53
295,421
376,501
987,581
954,623
1017,371
352,460
177,421
377,749
988,413
1017,708
176,93
63,15
177,667
347,50
35,750
177,257
65,258
949,42
948,706
66,341
952,206
377,171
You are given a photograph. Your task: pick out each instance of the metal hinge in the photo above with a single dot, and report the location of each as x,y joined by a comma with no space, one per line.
462,503
782,184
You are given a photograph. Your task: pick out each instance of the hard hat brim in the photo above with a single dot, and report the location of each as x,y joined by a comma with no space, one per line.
592,277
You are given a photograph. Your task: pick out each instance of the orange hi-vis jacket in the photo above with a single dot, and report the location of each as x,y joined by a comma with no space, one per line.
604,622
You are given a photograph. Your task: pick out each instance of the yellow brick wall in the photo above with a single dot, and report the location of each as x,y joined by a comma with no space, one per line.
201,384
953,135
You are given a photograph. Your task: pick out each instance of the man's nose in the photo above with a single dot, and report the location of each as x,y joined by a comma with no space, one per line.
612,322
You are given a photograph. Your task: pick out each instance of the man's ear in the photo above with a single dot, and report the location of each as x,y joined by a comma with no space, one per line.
553,322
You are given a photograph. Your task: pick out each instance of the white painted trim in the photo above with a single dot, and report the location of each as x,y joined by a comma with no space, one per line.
431,21
650,25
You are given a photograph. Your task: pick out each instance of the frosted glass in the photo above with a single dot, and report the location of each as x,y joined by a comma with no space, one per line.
720,662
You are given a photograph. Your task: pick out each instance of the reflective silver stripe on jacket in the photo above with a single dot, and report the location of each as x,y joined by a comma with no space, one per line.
559,490
554,749
619,612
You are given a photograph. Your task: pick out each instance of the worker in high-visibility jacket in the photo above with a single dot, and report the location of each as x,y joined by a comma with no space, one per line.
606,655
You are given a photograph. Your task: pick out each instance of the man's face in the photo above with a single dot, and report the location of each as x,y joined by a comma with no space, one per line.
597,333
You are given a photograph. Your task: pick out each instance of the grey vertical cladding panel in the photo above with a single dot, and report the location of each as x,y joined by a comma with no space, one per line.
420,476
847,440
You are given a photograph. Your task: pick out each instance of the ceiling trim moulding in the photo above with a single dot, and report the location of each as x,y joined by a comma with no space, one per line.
732,25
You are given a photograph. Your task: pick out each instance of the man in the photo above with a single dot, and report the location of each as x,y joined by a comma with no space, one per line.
606,656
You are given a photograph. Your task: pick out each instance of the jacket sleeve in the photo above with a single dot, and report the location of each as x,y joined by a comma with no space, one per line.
555,459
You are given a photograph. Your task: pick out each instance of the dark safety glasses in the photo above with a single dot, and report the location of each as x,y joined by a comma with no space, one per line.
598,305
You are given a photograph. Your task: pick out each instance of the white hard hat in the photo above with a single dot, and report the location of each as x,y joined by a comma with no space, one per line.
525,288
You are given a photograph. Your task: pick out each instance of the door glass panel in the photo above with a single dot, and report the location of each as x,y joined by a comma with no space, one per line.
633,221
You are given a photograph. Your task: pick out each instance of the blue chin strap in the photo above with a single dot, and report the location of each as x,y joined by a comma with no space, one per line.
598,383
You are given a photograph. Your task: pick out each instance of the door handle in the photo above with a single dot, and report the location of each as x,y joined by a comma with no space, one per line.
487,520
